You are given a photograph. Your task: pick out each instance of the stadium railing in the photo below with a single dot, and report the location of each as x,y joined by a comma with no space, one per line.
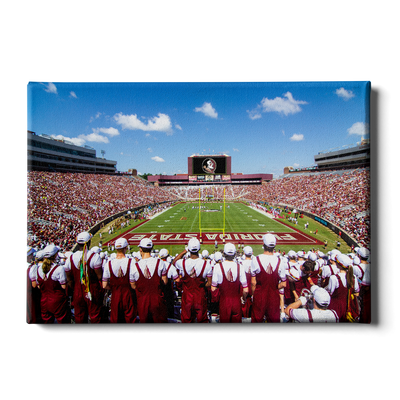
95,228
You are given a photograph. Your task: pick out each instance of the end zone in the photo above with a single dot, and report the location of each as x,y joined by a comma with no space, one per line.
282,238
294,237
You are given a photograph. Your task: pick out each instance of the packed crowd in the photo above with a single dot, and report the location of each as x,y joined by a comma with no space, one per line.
229,286
191,193
341,198
60,205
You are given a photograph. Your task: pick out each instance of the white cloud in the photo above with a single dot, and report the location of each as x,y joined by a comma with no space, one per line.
254,114
208,110
295,165
160,123
50,88
109,131
95,137
344,94
158,159
150,150
82,139
95,117
73,94
235,149
359,128
76,141
283,105
297,137
178,127
148,135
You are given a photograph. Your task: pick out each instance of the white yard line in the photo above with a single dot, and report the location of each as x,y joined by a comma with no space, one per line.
261,212
270,216
159,213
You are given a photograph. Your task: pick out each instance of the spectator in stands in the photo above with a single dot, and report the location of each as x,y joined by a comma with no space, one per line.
299,312
52,281
148,276
172,278
268,280
365,282
248,256
228,280
62,205
342,285
195,275
84,272
29,268
117,277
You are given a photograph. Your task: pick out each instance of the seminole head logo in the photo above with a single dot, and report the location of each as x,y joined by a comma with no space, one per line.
209,165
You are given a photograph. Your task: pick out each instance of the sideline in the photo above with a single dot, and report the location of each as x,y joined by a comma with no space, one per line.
293,229
262,212
159,213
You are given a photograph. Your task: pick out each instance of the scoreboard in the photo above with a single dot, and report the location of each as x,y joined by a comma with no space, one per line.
212,168
209,170
215,165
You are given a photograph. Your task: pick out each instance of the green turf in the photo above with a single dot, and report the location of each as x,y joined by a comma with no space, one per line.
238,218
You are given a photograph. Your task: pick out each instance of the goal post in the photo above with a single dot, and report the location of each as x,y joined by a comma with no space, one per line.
212,229
223,229
200,210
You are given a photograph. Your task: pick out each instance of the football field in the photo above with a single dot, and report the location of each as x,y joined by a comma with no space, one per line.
241,224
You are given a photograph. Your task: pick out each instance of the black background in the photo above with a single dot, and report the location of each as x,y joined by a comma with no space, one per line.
198,161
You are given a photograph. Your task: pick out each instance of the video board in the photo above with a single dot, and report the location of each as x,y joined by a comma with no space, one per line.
209,165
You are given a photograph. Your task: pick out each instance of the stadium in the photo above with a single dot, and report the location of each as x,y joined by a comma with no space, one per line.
306,191
317,209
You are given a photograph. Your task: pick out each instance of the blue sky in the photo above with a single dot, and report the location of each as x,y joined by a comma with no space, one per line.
154,127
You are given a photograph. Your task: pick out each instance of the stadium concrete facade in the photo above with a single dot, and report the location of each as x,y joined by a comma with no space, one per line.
48,154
